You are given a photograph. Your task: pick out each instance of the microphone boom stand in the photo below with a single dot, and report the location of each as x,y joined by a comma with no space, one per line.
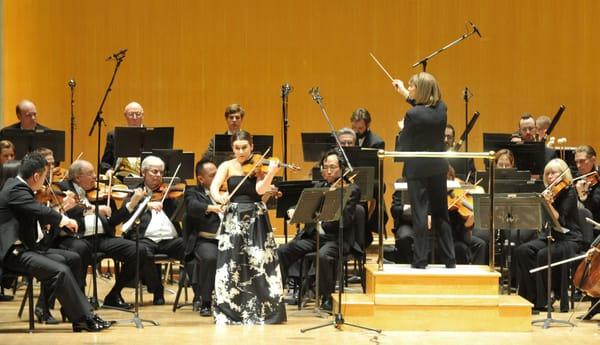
72,87
285,91
99,121
338,320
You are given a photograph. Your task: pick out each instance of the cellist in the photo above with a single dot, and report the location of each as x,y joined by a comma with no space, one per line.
589,195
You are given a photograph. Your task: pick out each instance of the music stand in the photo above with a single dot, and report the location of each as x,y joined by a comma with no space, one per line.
511,212
26,141
365,179
132,141
290,194
314,145
172,158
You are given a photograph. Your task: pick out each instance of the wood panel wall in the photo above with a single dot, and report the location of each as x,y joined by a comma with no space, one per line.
188,59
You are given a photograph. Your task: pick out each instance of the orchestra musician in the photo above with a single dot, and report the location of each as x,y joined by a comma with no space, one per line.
527,130
125,166
463,167
20,234
28,118
202,220
234,117
423,130
589,195
158,233
82,182
404,234
332,168
361,125
247,260
562,201
542,123
7,151
346,136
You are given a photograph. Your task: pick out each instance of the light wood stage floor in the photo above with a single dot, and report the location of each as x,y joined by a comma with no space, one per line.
187,327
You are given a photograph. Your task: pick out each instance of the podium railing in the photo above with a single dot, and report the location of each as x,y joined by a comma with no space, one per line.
382,154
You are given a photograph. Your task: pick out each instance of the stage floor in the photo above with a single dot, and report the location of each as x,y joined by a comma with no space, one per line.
187,327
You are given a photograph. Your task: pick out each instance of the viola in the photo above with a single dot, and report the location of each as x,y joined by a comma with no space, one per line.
256,163
461,201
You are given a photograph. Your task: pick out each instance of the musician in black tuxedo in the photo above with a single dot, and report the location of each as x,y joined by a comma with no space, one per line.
158,234
21,221
361,125
27,115
423,130
234,116
202,220
305,241
82,178
134,115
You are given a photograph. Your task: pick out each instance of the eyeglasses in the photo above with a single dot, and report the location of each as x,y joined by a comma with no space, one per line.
135,115
156,172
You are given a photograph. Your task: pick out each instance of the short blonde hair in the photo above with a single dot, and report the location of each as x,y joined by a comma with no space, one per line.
559,165
427,89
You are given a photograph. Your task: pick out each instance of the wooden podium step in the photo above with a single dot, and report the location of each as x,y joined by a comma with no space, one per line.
437,299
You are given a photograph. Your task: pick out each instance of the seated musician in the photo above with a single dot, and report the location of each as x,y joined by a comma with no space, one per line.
234,116
7,151
158,234
563,205
346,136
463,167
48,243
28,118
542,123
527,130
123,166
361,125
589,195
82,182
21,220
305,241
202,220
468,248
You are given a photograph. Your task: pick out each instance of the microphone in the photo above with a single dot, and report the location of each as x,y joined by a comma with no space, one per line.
475,30
118,55
288,87
72,83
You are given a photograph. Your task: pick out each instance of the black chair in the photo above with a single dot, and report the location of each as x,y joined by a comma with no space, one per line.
27,297
182,287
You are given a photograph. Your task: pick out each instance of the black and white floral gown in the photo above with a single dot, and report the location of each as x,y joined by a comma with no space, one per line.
248,286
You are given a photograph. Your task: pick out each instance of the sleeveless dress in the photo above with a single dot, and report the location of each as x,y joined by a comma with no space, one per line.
248,285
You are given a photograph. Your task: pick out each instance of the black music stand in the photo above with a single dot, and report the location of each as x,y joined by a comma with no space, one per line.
511,212
172,158
290,194
314,145
132,141
26,141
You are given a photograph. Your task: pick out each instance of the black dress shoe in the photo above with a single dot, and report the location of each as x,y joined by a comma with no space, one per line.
6,298
104,324
205,310
116,302
87,324
327,303
158,299
451,264
44,317
421,267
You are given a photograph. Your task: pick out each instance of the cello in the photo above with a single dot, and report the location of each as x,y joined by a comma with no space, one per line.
587,275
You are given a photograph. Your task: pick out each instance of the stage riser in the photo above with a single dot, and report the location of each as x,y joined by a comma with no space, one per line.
436,299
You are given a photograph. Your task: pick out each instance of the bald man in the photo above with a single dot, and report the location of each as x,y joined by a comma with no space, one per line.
134,115
27,115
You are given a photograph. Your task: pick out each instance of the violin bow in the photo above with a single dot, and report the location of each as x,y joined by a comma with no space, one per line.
259,161
170,184
109,190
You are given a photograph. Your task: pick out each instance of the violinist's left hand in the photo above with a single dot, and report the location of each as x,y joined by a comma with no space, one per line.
69,201
548,196
273,166
104,210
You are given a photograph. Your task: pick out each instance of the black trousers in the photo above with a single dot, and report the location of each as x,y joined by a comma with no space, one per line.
471,250
294,250
203,272
405,238
429,196
174,248
534,254
118,248
65,257
57,279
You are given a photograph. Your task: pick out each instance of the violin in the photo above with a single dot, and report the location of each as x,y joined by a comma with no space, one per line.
461,200
59,174
118,191
175,192
256,163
